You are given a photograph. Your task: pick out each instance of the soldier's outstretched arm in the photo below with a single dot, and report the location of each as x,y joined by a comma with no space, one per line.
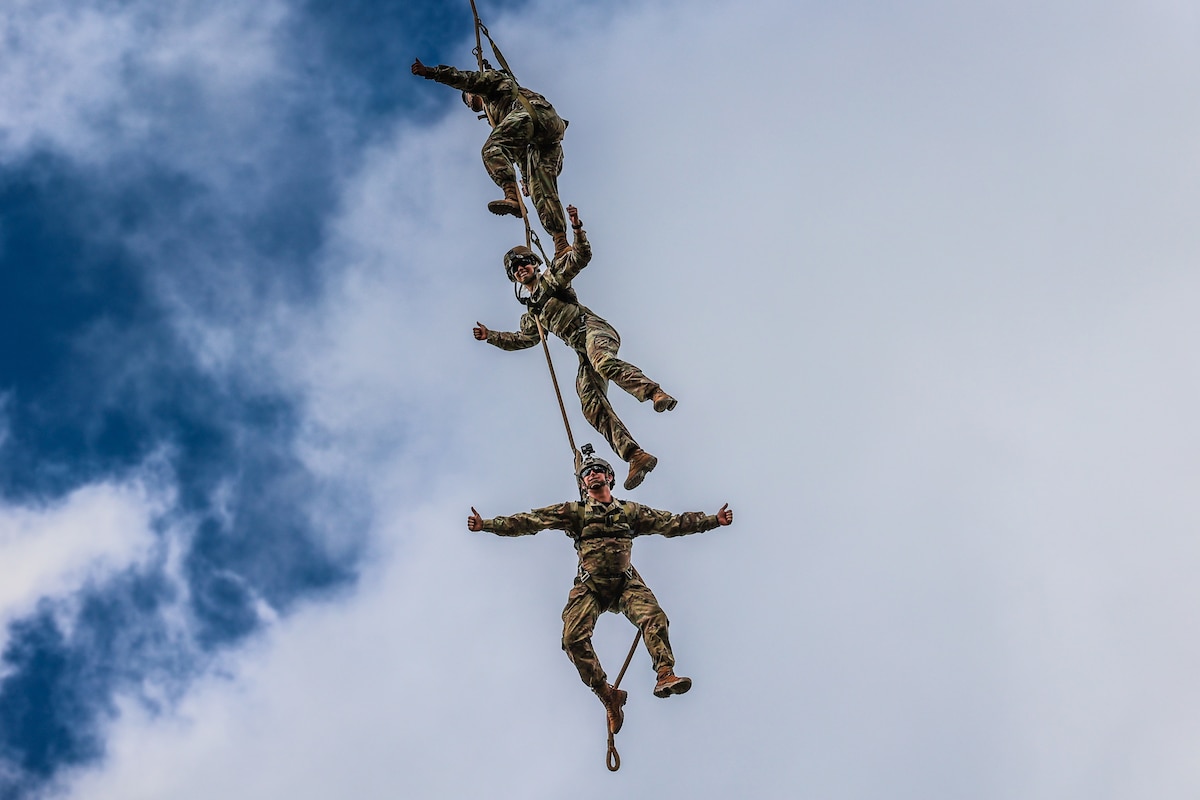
557,517
475,82
650,520
505,340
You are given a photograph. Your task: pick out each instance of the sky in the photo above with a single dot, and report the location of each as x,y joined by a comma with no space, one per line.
922,277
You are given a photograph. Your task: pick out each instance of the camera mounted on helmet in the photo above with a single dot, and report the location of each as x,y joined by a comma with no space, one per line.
592,464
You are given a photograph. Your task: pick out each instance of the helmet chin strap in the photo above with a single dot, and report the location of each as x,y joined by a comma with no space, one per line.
517,287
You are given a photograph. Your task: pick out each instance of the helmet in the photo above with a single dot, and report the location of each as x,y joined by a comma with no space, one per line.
469,100
591,463
516,257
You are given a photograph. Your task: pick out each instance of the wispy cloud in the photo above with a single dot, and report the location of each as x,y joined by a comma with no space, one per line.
165,177
916,275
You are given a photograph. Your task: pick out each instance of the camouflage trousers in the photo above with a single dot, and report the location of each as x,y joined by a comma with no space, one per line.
627,595
536,147
598,364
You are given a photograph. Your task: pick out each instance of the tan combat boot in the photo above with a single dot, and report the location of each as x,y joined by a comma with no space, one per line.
639,467
510,204
663,401
669,683
614,700
561,246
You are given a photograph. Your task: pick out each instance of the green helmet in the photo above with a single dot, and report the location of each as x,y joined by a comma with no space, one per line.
516,257
591,463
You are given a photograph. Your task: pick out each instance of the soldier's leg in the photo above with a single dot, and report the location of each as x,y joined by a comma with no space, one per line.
547,161
579,620
641,607
506,144
593,396
602,344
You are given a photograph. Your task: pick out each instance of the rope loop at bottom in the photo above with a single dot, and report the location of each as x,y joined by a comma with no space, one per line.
613,759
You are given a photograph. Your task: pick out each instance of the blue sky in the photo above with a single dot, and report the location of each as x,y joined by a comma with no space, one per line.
922,278
105,247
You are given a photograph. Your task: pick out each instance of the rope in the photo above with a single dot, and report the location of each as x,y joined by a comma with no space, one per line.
613,759
478,51
632,649
557,392
530,236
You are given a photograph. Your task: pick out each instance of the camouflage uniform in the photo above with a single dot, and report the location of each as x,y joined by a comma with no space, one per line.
603,535
515,131
554,302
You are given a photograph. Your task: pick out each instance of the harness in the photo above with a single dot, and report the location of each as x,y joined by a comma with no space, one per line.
565,294
603,523
610,523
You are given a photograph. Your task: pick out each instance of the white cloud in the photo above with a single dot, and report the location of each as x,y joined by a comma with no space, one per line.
97,80
51,551
925,294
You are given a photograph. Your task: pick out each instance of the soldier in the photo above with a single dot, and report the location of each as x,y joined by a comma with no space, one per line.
525,125
553,302
603,529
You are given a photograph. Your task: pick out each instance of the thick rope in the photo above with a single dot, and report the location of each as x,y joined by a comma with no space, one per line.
530,237
557,392
632,649
612,759
478,51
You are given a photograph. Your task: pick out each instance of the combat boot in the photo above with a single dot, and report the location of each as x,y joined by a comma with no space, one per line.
663,401
561,246
639,467
510,204
614,700
669,683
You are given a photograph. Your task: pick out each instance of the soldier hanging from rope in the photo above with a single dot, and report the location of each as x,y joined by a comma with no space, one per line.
553,303
603,528
527,132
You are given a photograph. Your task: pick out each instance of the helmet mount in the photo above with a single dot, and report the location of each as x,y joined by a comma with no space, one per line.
591,463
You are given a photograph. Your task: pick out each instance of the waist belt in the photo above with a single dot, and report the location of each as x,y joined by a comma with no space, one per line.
585,576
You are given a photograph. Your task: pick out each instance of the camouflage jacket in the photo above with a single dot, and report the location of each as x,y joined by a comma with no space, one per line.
553,301
498,90
603,532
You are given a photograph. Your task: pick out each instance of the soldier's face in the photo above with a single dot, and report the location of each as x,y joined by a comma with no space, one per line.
525,273
595,479
473,101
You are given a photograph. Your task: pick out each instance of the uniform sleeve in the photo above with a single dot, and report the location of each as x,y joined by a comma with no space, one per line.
573,262
526,337
482,83
650,520
556,517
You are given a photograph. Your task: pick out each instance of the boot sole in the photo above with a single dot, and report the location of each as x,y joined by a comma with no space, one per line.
501,208
635,480
678,687
669,405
